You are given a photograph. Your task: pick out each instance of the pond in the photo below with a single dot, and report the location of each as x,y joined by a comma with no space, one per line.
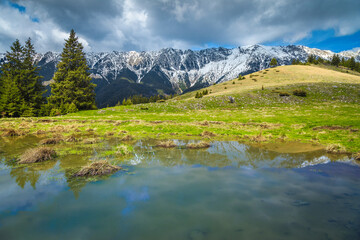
228,191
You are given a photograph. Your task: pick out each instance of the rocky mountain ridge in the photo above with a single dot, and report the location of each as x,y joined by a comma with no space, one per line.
121,74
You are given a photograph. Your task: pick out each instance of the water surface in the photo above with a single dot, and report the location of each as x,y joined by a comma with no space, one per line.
229,191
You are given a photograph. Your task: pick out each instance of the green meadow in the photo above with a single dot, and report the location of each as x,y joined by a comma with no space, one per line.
259,109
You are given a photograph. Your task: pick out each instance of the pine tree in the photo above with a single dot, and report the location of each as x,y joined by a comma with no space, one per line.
273,62
30,85
72,81
11,101
335,60
352,63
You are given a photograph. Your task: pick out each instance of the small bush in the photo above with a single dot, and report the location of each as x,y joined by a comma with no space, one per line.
299,93
160,101
38,155
284,94
231,99
124,150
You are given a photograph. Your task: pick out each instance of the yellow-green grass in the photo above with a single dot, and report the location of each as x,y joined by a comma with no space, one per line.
329,114
279,76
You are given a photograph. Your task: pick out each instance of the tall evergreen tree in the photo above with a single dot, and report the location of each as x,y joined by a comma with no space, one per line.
30,86
335,60
352,63
11,73
72,81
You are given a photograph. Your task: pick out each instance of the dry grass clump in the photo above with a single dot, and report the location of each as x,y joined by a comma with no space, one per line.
208,134
204,123
50,141
258,138
90,141
58,129
166,144
336,148
97,168
198,145
357,156
40,132
127,138
72,138
12,133
37,155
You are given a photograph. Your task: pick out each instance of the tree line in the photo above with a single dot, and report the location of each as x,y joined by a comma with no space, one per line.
139,99
21,90
336,61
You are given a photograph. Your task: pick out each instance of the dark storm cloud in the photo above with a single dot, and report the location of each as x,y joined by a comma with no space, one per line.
152,24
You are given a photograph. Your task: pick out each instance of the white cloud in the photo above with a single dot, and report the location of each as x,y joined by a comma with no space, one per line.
152,24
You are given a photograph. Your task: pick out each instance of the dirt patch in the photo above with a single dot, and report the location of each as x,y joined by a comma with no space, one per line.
37,155
332,128
292,147
97,168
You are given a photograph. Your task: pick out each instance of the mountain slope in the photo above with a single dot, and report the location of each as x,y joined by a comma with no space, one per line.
278,77
169,71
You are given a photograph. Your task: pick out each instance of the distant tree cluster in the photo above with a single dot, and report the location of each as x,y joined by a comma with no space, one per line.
21,90
350,63
201,94
138,99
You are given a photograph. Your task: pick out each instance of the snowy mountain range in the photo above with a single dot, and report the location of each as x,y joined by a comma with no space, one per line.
122,74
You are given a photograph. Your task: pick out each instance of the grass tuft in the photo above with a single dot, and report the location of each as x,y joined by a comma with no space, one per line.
97,168
37,155
166,144
198,145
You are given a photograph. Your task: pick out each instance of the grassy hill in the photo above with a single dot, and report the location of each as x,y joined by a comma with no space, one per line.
328,116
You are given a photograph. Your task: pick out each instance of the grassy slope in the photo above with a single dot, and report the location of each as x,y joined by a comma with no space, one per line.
257,115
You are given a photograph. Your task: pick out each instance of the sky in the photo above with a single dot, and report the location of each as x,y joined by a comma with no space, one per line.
143,25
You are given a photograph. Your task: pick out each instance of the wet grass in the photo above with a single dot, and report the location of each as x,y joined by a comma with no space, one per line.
328,115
